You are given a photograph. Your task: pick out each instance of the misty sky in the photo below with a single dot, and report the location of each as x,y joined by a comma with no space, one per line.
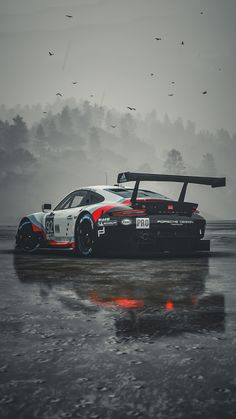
109,48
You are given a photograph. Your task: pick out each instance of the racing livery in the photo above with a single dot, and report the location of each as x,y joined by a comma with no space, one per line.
119,218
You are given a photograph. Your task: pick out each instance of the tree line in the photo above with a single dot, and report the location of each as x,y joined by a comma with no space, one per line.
85,143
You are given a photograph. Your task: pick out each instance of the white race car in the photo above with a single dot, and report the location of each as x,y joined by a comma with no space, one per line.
122,219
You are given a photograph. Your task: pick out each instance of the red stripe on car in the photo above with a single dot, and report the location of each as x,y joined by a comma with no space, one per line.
100,211
37,229
62,244
143,200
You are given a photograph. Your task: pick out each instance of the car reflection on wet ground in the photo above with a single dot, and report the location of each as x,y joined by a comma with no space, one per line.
118,338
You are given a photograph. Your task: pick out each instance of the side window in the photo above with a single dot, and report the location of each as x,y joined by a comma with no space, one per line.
79,198
65,203
95,198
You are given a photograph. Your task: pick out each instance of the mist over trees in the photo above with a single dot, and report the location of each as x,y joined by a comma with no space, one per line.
47,152
15,158
174,162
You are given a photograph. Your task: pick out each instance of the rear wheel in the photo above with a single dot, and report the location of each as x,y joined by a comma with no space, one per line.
84,236
26,240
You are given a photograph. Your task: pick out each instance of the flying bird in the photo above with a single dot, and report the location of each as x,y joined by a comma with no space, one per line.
131,109
113,126
173,82
182,43
74,82
44,112
91,95
171,94
69,16
58,94
201,13
205,92
50,53
152,74
158,39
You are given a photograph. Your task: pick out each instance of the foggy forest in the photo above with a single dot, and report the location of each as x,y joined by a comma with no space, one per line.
46,152
121,309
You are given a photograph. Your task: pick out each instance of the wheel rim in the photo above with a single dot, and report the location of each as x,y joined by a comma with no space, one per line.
29,243
26,239
85,237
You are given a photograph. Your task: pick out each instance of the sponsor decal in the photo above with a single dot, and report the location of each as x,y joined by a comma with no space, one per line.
101,231
126,222
123,178
111,223
172,222
187,222
57,228
142,223
175,222
106,222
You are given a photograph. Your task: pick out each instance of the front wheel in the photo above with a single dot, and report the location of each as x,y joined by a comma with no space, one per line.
84,236
26,240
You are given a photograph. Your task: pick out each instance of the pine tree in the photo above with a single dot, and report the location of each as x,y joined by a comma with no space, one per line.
40,133
174,162
18,134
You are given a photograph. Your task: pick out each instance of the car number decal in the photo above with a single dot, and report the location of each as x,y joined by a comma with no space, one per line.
49,224
142,223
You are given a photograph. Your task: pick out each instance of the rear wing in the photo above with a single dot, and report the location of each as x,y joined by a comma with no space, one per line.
214,182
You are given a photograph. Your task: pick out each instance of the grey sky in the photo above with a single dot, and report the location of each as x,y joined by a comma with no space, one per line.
110,50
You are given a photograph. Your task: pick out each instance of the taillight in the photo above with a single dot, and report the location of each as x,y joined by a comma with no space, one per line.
129,213
195,211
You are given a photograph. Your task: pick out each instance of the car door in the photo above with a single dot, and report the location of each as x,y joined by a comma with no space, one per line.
59,224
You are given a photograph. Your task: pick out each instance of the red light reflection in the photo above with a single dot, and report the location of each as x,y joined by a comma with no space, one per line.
169,305
122,302
127,303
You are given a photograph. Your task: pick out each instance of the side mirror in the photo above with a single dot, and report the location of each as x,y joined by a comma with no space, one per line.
46,207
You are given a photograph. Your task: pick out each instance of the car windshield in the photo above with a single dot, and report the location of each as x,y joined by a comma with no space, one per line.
127,193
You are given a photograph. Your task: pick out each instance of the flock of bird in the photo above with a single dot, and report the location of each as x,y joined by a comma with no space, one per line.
130,108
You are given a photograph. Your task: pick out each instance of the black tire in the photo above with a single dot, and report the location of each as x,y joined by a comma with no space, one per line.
26,240
84,236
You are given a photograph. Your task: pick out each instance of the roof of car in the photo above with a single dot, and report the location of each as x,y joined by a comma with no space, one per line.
102,187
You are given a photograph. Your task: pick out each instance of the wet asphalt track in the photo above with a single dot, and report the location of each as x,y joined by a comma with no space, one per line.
119,338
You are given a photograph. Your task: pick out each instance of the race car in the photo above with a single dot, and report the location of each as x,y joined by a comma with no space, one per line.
118,218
